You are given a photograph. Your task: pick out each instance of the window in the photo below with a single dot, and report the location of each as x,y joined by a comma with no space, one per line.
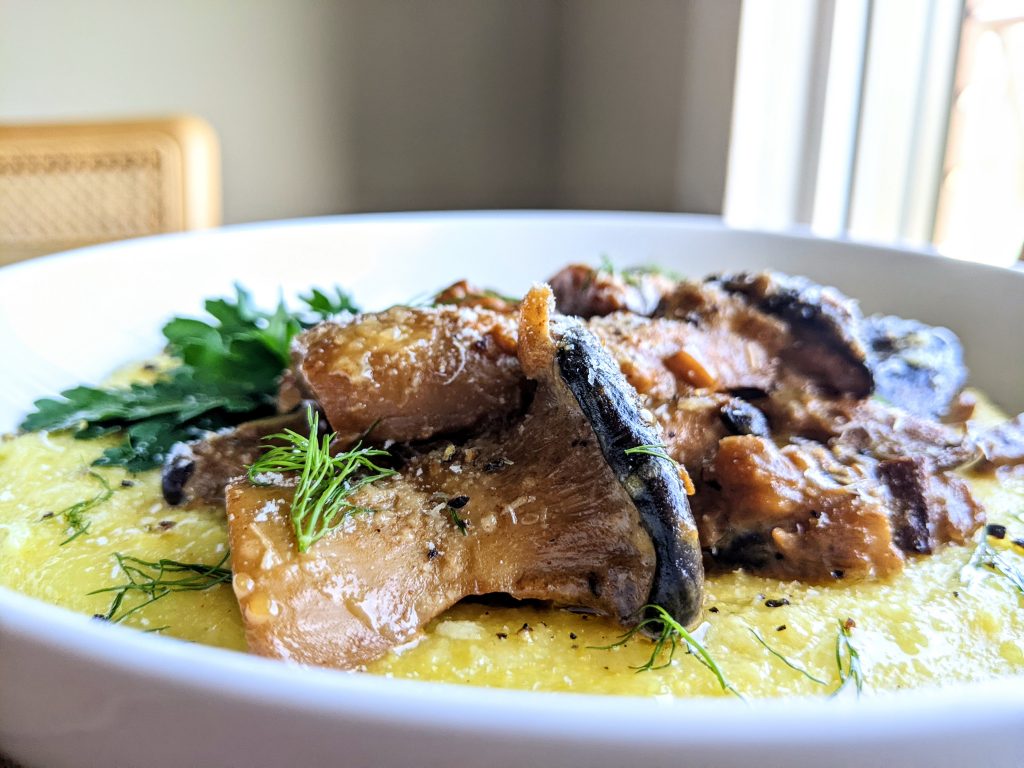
854,119
981,199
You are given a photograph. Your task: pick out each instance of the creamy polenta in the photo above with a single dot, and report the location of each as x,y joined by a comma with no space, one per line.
938,621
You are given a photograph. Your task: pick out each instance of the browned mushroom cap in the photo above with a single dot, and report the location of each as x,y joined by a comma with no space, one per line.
410,374
916,366
825,323
813,329
553,509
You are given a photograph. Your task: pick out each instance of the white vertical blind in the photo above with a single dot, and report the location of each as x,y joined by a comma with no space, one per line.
841,110
841,114
910,63
981,201
773,109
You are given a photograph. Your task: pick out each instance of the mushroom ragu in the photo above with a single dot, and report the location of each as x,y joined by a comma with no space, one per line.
543,450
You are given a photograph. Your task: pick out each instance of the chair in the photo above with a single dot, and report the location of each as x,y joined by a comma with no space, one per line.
67,185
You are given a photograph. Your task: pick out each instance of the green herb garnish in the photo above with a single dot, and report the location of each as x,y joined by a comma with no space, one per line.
454,505
848,659
607,266
784,660
321,503
668,636
228,373
324,305
74,516
156,580
657,451
634,275
458,521
988,558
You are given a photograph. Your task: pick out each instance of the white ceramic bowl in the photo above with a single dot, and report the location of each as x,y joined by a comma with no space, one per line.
75,692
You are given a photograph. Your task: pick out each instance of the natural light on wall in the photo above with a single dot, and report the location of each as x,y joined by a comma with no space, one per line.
981,205
883,121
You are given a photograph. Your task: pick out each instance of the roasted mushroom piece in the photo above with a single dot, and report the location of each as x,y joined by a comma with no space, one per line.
465,294
404,374
807,512
410,373
1003,444
586,292
549,507
198,472
825,325
917,367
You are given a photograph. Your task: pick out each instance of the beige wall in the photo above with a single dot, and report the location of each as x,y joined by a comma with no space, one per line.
453,103
327,107
645,103
266,77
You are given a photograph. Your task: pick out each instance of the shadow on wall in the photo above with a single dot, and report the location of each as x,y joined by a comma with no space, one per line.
542,104
360,105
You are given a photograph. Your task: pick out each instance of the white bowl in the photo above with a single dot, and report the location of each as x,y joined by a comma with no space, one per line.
75,692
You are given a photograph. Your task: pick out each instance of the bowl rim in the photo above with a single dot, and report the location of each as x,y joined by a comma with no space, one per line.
370,698
366,698
668,219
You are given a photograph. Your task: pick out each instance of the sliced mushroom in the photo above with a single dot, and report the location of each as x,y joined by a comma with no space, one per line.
411,374
465,294
883,432
663,358
918,367
1003,444
587,292
806,512
553,507
198,472
826,326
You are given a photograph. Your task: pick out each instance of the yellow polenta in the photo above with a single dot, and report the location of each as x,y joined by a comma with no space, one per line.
936,622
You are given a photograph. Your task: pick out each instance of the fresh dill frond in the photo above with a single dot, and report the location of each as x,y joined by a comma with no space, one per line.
661,452
458,521
74,516
987,558
848,662
156,580
784,660
607,266
634,275
454,505
422,299
321,502
669,633
657,451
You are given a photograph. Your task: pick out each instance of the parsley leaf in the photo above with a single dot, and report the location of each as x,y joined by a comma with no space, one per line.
228,374
325,306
